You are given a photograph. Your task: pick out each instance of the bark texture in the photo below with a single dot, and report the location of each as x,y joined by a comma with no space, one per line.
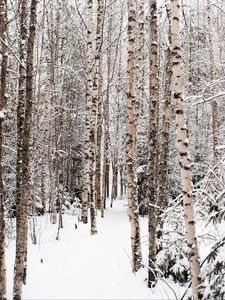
164,144
3,103
97,94
96,102
105,181
27,130
131,132
21,205
183,146
89,130
25,102
153,114
93,76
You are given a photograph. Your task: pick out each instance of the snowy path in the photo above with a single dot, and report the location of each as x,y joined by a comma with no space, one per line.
80,266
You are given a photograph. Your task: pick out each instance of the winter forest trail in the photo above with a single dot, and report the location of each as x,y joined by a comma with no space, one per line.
80,266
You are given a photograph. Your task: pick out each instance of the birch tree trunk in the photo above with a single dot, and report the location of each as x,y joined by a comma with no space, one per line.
24,121
96,102
164,145
114,192
98,173
139,52
153,112
45,148
97,90
36,116
91,98
213,75
87,150
183,146
53,61
131,132
3,103
114,189
27,130
21,205
105,181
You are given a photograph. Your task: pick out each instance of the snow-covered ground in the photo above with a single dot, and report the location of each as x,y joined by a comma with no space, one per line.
80,266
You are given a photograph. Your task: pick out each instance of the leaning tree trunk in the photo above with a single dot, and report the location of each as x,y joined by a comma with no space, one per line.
183,146
131,147
153,112
21,205
3,103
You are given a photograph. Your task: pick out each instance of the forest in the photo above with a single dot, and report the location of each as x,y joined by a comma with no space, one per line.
112,149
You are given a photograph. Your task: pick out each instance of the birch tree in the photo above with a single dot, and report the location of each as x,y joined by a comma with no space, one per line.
21,204
153,112
131,146
183,147
95,101
89,150
97,91
27,129
89,134
106,136
164,142
24,119
3,103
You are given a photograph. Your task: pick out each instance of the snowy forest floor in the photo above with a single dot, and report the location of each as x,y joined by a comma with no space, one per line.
80,266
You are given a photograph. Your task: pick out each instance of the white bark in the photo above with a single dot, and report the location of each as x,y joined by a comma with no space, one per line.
153,112
183,146
131,146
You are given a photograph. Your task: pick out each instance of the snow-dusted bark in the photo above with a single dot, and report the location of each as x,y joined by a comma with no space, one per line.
153,112
131,146
183,146
3,104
